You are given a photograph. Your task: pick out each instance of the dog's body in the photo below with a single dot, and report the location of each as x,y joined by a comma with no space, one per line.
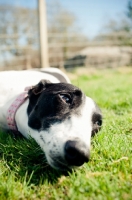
57,115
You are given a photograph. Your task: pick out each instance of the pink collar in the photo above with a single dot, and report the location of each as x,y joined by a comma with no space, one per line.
13,108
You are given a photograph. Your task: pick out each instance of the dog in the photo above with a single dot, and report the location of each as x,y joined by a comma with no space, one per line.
55,113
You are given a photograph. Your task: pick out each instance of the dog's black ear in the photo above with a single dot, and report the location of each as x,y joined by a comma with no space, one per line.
35,92
37,89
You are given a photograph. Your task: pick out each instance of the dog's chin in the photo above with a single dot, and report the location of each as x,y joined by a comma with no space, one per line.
58,165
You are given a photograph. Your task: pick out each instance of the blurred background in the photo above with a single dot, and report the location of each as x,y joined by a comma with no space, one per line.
65,34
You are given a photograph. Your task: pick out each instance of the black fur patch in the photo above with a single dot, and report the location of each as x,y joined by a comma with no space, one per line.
53,104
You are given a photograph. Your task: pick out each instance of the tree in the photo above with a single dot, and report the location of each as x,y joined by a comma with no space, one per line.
129,9
119,31
65,37
19,33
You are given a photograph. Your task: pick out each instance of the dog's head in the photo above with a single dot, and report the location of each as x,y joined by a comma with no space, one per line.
62,120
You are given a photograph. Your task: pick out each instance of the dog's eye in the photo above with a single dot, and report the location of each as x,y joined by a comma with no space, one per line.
99,122
66,98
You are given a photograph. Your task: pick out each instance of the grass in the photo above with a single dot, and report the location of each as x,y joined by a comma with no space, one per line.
24,173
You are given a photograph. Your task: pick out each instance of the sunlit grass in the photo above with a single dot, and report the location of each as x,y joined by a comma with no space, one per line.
24,173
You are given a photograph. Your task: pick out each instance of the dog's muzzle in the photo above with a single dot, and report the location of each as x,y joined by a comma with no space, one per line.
76,152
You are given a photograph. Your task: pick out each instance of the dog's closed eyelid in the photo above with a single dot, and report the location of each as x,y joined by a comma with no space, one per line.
99,122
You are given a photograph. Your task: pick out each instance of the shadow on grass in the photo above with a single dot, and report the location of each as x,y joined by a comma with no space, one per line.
25,158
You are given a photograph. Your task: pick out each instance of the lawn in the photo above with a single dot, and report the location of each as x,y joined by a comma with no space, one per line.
24,173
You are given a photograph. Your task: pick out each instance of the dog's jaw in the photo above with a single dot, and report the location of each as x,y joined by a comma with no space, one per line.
52,140
79,127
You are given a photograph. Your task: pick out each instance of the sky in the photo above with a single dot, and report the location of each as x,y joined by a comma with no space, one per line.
94,14
91,15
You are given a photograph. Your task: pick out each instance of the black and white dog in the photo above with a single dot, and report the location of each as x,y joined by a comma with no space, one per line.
55,113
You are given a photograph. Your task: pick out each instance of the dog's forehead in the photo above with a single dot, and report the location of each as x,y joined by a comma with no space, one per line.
91,107
61,87
90,104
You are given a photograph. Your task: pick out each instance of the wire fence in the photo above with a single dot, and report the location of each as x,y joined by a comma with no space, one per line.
67,46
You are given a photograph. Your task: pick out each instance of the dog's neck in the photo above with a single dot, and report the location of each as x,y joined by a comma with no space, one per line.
20,116
3,114
13,109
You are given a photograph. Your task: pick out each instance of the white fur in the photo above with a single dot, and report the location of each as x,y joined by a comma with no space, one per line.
51,142
55,70
14,82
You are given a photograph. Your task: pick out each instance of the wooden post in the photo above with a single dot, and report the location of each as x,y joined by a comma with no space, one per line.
44,58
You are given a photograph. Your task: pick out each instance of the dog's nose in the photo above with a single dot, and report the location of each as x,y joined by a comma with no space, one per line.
76,153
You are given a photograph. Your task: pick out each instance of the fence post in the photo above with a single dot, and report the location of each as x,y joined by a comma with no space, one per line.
44,58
